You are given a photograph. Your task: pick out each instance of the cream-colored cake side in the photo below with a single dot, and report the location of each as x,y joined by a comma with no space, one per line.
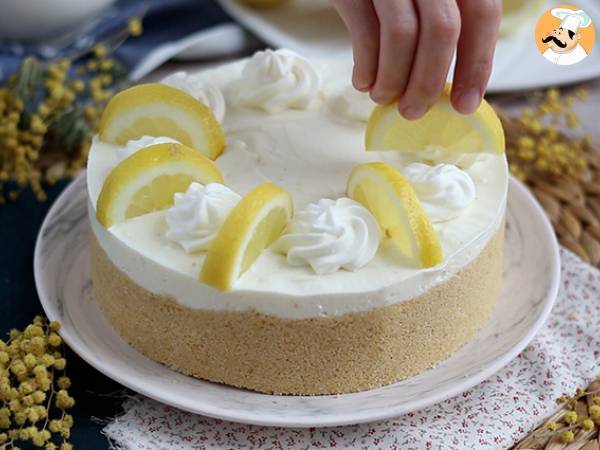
348,353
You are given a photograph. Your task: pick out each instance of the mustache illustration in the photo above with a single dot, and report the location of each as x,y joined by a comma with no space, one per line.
556,41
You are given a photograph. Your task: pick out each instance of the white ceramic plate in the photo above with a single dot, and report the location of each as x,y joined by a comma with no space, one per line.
312,28
531,278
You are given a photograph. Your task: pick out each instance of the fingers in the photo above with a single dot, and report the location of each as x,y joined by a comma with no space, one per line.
438,34
398,32
403,48
361,21
480,24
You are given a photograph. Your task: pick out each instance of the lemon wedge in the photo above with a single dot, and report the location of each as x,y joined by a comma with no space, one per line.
156,110
147,180
254,223
440,127
392,200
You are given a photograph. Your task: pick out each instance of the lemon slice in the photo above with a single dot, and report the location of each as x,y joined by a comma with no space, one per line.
393,202
156,110
255,222
441,127
148,179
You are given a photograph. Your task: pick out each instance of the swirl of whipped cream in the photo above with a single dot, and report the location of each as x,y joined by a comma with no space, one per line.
330,235
202,90
137,144
276,81
197,215
435,155
352,105
444,190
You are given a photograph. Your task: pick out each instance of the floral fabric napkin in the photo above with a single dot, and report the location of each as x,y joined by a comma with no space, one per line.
493,415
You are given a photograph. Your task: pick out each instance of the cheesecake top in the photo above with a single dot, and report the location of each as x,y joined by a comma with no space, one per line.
304,132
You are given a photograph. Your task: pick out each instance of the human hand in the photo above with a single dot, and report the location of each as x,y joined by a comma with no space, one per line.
403,50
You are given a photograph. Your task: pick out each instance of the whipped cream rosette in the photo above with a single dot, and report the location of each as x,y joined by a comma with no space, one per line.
330,235
444,190
136,145
198,213
277,80
351,105
201,89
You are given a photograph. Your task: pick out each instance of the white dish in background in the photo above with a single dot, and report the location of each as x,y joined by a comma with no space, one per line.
218,42
309,27
34,20
531,279
312,27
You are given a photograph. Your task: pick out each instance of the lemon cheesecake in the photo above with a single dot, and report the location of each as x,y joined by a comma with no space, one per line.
265,226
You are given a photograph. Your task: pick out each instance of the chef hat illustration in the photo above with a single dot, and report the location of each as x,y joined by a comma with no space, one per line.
572,20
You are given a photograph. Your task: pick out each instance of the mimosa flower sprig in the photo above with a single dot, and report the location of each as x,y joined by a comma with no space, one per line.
546,139
34,388
573,426
49,112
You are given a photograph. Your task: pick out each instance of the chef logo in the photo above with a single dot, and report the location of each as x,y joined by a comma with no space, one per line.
565,35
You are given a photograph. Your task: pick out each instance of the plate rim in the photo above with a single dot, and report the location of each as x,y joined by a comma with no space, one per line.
351,418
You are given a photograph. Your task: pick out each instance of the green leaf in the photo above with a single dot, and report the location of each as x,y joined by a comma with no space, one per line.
28,81
70,129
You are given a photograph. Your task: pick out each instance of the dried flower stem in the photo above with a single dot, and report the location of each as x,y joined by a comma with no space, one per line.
576,423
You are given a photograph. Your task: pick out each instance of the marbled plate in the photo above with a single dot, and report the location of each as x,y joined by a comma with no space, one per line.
531,278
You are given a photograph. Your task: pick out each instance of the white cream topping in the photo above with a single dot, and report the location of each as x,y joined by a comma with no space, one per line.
434,156
277,80
444,190
197,215
201,89
138,144
310,155
352,105
330,235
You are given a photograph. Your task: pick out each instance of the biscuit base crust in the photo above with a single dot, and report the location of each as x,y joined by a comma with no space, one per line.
349,353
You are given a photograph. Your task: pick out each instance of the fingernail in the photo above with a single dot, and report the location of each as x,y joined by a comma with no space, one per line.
360,87
377,97
359,84
468,100
413,112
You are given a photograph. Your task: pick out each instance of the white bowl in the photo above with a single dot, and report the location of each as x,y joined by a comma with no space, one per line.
34,20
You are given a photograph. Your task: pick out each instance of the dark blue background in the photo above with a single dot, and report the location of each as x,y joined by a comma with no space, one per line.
19,224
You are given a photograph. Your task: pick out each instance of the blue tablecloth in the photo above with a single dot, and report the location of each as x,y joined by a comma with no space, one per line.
19,222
